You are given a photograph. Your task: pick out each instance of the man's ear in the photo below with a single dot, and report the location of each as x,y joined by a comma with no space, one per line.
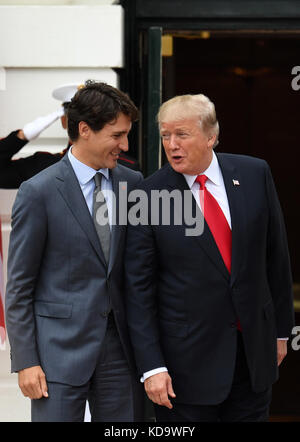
64,121
211,141
84,130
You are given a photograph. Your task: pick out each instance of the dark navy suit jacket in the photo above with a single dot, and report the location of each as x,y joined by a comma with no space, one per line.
183,305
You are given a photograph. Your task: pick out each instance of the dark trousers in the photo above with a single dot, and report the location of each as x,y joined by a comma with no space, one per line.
241,405
113,394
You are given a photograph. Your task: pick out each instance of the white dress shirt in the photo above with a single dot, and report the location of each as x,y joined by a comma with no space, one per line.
214,184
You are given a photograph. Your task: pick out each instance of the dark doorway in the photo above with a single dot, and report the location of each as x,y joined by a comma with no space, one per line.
248,76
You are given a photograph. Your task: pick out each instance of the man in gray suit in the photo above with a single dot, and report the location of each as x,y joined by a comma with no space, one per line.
64,300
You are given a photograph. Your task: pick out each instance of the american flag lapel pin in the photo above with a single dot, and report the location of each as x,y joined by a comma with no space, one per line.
236,182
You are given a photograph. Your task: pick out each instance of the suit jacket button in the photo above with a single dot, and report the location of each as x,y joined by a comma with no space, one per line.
104,314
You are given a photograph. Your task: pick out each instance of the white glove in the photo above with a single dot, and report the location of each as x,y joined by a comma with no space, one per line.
33,129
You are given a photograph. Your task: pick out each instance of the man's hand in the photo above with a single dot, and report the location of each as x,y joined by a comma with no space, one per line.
158,388
32,382
281,350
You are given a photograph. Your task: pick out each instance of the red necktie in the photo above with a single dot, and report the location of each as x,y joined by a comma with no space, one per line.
217,223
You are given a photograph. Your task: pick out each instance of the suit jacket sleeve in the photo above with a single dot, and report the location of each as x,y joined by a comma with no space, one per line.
14,172
278,263
9,172
27,241
9,146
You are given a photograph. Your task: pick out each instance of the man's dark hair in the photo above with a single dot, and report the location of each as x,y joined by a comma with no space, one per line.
98,104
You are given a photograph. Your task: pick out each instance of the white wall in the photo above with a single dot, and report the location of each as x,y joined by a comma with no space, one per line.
53,45
42,47
28,94
69,36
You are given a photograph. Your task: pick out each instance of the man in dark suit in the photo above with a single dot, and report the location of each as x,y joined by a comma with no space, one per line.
64,301
209,311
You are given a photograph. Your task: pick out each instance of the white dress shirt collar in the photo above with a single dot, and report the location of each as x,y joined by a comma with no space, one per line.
213,173
83,172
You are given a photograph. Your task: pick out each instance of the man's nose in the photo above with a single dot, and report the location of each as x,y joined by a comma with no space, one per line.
173,142
124,144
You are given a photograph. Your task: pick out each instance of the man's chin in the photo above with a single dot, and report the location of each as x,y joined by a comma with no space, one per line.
112,163
178,167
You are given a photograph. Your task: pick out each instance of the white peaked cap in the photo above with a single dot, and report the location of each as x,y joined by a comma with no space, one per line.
66,92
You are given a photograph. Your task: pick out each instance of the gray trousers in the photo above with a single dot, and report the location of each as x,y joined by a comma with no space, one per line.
112,392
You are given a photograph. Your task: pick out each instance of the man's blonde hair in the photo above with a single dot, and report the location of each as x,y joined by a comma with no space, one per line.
197,106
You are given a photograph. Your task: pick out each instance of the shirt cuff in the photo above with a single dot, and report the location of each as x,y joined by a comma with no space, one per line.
152,372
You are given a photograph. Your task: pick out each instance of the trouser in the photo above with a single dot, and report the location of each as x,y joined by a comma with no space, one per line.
112,392
241,405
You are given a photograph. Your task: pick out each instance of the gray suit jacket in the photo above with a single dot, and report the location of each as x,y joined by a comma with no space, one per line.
59,286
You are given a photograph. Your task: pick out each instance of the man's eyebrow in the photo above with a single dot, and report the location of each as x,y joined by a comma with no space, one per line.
119,132
186,129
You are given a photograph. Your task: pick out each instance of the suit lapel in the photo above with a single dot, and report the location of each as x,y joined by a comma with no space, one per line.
70,190
234,189
205,240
